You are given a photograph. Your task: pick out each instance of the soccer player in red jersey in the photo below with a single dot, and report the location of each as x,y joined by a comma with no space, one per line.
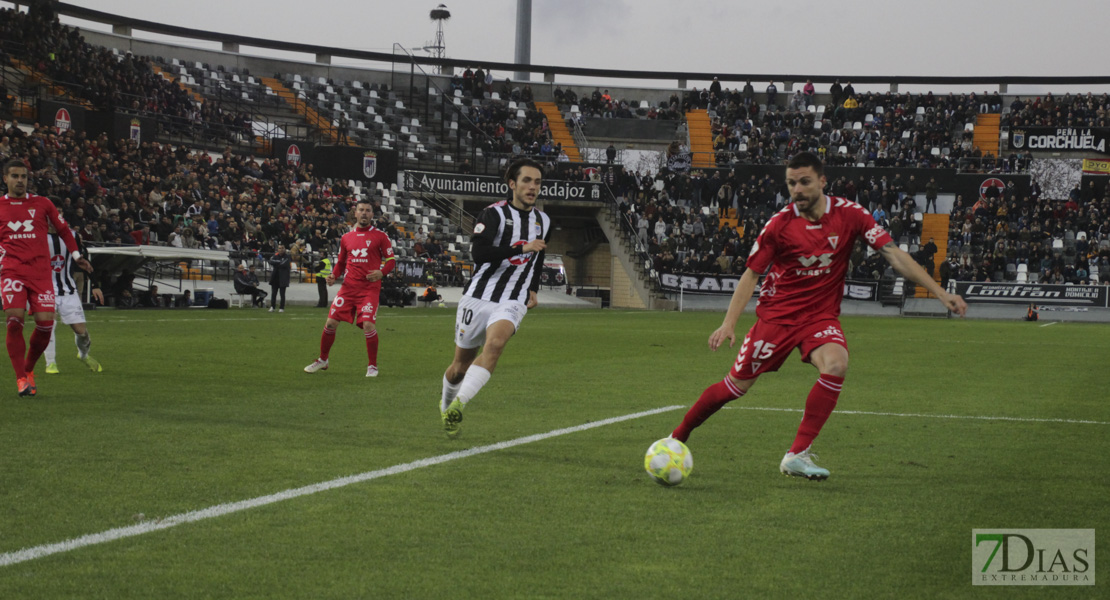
365,257
804,250
25,272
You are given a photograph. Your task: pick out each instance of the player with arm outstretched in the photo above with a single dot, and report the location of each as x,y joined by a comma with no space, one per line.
25,270
508,249
365,257
804,250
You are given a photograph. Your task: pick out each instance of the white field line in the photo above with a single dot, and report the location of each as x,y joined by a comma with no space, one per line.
924,416
11,558
1052,323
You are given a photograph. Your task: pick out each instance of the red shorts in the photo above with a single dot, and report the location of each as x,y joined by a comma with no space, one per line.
17,292
354,307
767,346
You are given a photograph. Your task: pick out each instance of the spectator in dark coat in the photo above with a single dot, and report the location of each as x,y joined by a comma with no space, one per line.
279,279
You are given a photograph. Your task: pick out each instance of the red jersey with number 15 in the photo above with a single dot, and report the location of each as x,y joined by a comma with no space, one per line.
808,260
362,251
24,252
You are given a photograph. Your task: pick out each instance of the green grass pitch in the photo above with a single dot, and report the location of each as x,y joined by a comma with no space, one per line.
203,408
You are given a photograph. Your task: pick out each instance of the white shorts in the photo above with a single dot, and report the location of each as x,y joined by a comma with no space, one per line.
69,309
474,316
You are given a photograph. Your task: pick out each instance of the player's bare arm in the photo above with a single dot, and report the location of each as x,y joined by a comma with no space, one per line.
84,264
533,300
330,279
908,268
373,276
740,297
535,245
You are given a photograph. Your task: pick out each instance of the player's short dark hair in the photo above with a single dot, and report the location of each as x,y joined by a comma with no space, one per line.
514,169
12,164
364,200
802,160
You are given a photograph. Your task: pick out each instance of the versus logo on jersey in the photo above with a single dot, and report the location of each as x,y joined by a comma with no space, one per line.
27,227
360,253
57,263
821,261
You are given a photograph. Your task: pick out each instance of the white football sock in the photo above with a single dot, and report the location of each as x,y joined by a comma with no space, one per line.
450,391
49,353
476,377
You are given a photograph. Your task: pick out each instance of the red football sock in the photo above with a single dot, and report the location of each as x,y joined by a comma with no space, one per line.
17,346
326,340
40,339
372,347
711,400
819,405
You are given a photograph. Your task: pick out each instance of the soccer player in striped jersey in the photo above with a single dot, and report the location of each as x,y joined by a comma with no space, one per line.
67,304
804,250
508,248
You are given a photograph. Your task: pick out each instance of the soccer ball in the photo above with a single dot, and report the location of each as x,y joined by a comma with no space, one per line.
668,462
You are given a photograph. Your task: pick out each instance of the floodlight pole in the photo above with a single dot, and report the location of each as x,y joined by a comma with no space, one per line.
523,38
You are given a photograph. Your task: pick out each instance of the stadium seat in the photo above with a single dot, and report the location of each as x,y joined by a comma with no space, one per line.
1021,277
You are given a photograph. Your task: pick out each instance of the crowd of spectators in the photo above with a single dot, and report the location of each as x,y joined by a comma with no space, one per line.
1060,240
601,104
1085,110
111,81
677,217
886,130
127,193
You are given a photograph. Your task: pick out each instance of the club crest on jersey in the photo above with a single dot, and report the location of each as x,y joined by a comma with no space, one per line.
369,164
834,239
57,263
479,228
520,259
31,212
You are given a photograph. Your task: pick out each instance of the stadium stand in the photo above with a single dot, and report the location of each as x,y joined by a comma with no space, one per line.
699,215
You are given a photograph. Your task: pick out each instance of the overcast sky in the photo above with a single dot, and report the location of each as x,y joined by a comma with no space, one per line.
833,37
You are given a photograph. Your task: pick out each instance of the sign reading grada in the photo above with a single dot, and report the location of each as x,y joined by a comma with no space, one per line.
1033,557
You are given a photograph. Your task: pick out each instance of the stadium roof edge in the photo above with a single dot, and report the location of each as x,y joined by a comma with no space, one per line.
89,14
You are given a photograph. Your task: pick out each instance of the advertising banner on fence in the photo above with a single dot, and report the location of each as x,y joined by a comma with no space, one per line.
1060,139
726,284
495,187
1026,293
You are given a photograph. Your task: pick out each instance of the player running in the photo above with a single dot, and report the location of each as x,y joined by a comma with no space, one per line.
365,257
508,248
25,270
804,250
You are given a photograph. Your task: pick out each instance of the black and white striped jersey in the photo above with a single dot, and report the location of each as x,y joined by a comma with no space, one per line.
502,271
61,266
